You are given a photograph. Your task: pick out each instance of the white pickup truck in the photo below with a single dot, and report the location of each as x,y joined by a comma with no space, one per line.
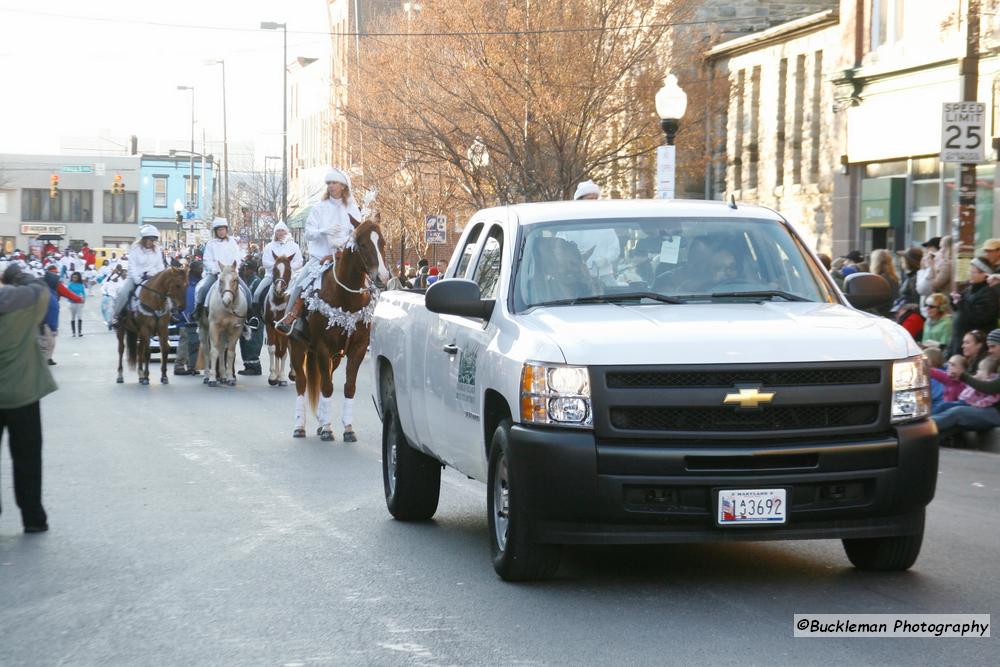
654,371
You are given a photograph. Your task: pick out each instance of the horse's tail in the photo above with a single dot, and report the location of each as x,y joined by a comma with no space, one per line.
312,377
132,342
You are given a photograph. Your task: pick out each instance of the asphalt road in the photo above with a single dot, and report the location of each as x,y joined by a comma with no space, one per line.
189,528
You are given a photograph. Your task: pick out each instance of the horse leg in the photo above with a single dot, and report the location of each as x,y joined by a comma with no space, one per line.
121,351
355,355
282,353
213,333
272,372
298,354
164,352
326,399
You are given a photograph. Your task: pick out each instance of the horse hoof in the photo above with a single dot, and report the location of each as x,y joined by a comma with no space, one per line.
120,381
164,381
326,436
143,381
231,383
205,381
273,383
213,383
319,431
282,383
299,433
349,436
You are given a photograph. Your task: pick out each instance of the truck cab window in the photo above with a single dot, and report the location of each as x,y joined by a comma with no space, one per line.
488,269
468,250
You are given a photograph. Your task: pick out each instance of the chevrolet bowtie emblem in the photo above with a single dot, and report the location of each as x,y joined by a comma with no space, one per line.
749,398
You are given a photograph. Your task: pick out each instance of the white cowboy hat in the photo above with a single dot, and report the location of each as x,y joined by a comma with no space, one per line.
219,222
587,188
147,231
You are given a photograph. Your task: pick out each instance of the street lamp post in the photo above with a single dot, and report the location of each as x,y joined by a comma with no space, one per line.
179,212
225,137
269,25
671,103
190,193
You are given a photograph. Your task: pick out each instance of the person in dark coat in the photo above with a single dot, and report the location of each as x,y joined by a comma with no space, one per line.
977,307
250,346
24,380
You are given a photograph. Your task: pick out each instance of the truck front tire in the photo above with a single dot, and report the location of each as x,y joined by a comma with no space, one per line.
884,554
515,556
411,479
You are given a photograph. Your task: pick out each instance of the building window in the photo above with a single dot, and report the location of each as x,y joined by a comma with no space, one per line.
121,208
191,192
159,191
3,202
797,118
754,124
68,206
814,124
887,22
779,150
741,82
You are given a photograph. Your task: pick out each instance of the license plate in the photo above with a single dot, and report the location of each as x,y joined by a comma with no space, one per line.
751,506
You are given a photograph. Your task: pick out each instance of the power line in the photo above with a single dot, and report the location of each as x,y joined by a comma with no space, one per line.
473,33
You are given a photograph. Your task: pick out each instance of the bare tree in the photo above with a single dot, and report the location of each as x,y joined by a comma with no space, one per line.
488,103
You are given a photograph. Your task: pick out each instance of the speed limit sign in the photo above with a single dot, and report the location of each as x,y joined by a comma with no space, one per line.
963,132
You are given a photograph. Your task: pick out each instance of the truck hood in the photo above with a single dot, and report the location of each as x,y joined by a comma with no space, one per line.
769,332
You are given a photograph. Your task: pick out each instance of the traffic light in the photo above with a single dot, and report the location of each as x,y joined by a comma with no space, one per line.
180,218
118,186
54,186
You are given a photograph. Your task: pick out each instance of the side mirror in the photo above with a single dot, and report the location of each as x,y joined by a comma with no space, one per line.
456,296
866,290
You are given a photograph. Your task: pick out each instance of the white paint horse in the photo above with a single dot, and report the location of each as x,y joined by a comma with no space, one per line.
275,306
220,330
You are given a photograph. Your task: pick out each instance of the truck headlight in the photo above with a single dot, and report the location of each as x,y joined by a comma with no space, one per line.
556,394
911,392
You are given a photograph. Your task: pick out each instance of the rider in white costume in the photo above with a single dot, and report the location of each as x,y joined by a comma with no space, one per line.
328,230
220,249
145,261
281,245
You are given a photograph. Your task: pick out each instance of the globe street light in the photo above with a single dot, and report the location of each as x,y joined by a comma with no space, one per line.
671,103
270,25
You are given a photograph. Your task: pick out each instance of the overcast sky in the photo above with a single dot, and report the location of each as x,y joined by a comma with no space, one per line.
71,68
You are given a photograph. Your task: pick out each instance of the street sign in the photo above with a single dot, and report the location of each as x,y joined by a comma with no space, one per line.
99,168
435,229
666,164
77,169
963,132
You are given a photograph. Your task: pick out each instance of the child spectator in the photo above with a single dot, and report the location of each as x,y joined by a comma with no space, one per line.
77,287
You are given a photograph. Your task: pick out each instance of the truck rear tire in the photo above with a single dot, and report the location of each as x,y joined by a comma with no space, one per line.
515,556
411,479
884,554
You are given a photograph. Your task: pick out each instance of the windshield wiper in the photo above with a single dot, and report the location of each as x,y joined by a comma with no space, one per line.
610,298
761,294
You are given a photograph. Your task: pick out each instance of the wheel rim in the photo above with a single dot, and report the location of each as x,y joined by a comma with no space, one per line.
501,503
390,461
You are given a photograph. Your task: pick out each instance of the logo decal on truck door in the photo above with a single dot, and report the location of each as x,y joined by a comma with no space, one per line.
466,390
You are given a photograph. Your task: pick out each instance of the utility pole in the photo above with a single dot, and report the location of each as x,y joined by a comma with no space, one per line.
967,171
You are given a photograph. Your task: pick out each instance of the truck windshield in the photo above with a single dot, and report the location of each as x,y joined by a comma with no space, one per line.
664,260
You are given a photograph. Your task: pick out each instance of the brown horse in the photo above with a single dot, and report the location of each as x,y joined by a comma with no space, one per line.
157,297
338,325
275,305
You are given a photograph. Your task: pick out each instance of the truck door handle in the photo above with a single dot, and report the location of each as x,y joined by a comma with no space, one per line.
451,348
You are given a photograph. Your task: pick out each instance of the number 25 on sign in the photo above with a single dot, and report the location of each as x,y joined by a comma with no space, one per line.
962,132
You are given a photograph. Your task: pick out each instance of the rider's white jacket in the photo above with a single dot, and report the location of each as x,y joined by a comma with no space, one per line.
143,262
329,228
220,250
277,249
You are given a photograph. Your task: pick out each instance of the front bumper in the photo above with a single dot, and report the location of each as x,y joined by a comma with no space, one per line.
579,490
